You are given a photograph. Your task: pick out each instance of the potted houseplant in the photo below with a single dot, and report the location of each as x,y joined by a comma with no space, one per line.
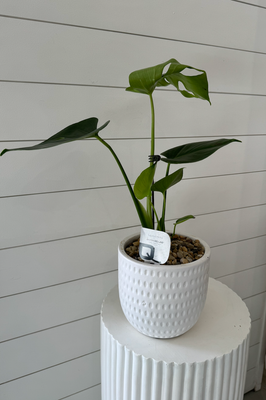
158,300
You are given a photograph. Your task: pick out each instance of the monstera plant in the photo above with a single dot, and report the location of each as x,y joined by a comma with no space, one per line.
145,81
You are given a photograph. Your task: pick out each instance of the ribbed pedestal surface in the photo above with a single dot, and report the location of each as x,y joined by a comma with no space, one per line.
206,363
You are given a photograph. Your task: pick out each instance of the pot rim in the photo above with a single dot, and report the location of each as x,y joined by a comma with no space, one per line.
128,239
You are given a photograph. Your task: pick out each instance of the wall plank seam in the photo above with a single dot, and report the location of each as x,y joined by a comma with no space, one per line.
127,227
82,189
130,33
80,391
91,316
249,4
223,211
70,237
122,87
134,138
58,284
254,295
108,272
50,328
250,297
257,319
63,84
52,366
239,94
248,269
237,241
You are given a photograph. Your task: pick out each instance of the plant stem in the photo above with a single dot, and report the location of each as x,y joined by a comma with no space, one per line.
150,199
152,126
174,230
164,201
155,213
135,200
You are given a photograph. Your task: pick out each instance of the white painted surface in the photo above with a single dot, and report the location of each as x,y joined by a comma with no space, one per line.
202,22
41,51
162,301
53,306
56,382
206,363
56,215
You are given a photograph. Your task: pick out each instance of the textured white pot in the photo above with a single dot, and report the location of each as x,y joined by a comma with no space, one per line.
162,301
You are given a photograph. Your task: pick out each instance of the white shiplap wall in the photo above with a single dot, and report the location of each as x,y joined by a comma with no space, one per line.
63,211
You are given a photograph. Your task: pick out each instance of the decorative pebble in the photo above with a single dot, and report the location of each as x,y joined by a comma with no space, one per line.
183,250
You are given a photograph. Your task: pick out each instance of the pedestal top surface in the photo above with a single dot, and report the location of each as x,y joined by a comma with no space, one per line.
221,328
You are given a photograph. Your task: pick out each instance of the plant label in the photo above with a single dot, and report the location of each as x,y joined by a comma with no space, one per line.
154,246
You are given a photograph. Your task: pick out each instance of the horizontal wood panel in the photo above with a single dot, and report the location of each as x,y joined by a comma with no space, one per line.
48,217
57,382
260,3
33,267
226,227
35,112
93,393
255,334
61,344
216,194
89,165
45,217
236,257
142,18
250,380
247,283
36,266
37,310
253,356
256,305
40,50
64,303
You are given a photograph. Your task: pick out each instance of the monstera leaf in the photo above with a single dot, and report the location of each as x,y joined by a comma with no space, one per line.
146,80
193,152
81,130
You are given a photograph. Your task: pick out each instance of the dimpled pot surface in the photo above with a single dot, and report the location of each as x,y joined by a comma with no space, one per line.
162,301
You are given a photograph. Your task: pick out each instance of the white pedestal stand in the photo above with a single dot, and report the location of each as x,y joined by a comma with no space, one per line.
206,363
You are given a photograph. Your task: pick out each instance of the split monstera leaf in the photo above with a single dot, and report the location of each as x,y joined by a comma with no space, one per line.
145,81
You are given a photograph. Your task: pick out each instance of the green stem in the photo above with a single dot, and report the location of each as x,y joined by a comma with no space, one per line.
164,201
150,199
155,213
152,127
135,200
174,229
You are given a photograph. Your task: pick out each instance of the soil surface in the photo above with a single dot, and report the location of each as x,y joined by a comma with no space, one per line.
183,250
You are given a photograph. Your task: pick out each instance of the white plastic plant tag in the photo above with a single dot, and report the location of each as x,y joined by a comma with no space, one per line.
154,246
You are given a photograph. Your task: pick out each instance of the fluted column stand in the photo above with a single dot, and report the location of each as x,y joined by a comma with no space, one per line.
206,363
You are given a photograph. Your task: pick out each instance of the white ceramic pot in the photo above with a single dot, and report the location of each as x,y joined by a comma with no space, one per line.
162,301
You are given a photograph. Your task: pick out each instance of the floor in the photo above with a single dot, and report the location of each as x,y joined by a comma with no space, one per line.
260,395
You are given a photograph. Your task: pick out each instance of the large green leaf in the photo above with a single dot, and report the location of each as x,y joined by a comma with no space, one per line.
170,180
147,79
142,187
81,130
193,152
